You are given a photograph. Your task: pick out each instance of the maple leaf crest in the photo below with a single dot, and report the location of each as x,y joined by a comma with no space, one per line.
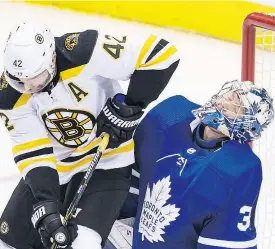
155,214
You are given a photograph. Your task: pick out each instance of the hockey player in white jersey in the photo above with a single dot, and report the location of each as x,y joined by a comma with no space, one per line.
57,96
199,178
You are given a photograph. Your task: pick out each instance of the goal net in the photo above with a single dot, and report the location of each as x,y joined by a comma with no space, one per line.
258,66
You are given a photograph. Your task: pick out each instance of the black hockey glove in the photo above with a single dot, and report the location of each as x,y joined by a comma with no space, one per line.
119,120
46,219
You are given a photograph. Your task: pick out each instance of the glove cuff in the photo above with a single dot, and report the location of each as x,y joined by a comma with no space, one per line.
122,108
43,209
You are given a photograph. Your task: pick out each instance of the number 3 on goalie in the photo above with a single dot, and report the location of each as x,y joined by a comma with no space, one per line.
113,47
245,224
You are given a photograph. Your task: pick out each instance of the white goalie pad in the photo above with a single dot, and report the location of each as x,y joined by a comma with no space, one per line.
121,235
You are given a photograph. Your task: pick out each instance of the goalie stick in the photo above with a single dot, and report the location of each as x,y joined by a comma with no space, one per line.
82,186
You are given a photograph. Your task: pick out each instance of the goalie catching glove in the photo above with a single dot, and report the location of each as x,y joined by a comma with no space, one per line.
119,120
46,219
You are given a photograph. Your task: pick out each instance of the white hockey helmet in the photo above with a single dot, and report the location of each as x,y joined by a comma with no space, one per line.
29,57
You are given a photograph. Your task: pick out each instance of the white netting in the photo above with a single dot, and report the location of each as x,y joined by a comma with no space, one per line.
265,147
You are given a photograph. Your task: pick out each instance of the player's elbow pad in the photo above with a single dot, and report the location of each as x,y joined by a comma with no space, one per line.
44,183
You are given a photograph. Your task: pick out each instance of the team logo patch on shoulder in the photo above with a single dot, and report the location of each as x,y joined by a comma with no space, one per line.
71,128
3,82
71,41
156,212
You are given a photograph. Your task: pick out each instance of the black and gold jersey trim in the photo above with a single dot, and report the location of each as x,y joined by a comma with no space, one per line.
32,154
75,49
161,44
9,97
77,158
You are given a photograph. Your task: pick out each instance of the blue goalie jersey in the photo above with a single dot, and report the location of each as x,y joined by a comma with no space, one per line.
192,198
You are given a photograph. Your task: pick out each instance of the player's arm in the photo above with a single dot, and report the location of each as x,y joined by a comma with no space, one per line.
147,61
32,151
33,154
233,227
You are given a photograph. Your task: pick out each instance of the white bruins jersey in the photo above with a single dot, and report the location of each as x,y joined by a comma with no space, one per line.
56,128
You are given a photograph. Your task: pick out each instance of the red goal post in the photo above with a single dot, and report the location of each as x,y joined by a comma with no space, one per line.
251,22
258,66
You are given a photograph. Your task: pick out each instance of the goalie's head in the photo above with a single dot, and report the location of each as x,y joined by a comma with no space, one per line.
240,110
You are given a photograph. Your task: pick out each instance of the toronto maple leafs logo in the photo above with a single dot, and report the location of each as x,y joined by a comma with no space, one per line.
156,215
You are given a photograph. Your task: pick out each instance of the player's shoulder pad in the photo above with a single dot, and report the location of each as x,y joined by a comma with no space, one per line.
235,159
75,49
9,97
169,112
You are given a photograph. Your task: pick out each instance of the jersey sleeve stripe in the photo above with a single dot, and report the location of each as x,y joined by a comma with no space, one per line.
32,154
161,44
30,145
163,57
146,47
228,244
26,163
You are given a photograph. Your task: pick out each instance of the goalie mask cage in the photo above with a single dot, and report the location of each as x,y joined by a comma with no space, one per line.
258,66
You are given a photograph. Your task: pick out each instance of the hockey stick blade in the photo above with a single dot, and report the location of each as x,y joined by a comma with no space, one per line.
82,186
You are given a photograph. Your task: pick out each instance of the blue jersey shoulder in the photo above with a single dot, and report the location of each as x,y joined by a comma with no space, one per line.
235,159
164,120
168,113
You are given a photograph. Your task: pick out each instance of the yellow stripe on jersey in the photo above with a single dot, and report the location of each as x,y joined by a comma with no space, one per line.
169,52
24,98
26,163
73,72
146,47
31,145
91,145
63,168
123,149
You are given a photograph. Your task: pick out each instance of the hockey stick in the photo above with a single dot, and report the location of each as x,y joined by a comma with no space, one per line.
102,146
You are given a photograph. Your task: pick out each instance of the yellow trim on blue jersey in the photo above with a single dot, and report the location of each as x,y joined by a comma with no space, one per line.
26,163
23,99
31,145
73,72
169,52
63,168
146,47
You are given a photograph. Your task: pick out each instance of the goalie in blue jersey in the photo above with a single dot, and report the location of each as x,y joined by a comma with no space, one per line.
199,179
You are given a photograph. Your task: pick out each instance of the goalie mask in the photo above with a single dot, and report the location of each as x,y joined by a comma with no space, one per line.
29,57
240,110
